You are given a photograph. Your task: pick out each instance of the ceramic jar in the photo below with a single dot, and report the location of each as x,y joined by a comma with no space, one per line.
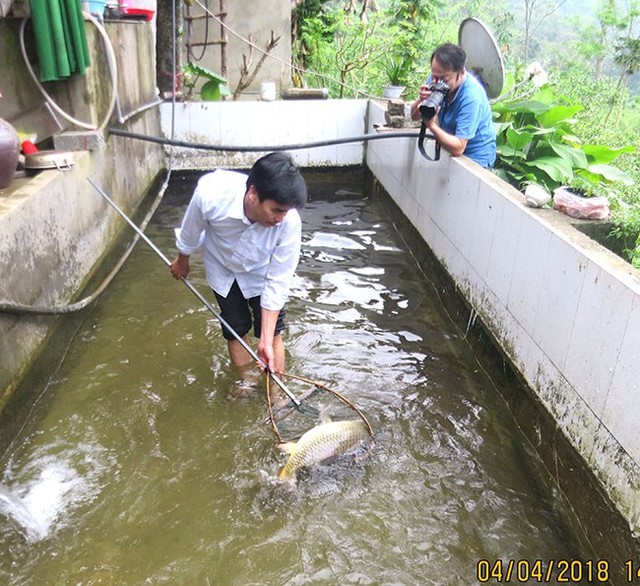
9,153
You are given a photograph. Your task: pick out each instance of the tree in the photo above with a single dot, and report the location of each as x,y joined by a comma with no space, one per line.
536,12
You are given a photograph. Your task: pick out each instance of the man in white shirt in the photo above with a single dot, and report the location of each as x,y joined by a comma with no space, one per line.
250,231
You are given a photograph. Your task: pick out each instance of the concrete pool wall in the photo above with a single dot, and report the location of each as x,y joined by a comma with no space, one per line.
55,227
563,309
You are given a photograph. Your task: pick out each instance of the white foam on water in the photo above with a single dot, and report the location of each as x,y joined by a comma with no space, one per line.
45,491
14,508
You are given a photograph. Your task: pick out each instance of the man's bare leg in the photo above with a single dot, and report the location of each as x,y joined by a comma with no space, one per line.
239,356
245,364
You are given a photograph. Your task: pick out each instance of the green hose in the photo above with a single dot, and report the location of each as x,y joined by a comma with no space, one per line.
60,38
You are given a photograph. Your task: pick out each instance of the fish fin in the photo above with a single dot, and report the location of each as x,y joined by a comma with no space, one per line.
324,416
287,447
331,460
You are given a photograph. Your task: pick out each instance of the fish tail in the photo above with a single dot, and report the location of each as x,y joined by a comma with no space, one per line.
286,474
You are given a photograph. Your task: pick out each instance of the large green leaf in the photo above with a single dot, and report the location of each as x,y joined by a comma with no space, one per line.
523,172
518,139
529,106
545,95
598,153
557,168
575,157
203,72
611,173
507,151
502,126
557,114
535,130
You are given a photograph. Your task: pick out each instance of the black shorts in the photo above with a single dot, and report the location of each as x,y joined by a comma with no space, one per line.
241,313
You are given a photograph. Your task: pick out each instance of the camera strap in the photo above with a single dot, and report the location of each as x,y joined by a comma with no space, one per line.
421,137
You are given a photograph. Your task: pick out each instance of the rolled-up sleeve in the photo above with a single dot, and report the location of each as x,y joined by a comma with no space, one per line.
283,264
191,234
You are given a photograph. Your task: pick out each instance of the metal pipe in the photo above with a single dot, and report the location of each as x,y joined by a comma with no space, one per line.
122,118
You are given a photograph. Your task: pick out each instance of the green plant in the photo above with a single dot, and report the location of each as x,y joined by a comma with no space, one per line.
212,90
626,229
396,69
341,49
537,143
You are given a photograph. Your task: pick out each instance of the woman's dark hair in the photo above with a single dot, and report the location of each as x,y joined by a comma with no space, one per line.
276,177
450,57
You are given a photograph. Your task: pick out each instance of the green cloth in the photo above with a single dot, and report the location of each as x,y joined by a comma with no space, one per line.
61,40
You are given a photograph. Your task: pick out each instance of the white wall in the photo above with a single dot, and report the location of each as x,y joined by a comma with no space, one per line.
269,124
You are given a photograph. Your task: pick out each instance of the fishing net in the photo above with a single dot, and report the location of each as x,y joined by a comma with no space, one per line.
316,400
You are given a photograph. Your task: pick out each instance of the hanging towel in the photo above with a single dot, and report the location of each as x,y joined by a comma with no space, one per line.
61,42
78,35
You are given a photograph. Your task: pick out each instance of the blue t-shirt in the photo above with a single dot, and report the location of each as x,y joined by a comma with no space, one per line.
469,117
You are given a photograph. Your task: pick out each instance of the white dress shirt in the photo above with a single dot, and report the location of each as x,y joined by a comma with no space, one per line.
262,259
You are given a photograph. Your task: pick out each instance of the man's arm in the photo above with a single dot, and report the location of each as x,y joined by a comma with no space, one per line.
451,143
188,237
423,94
266,351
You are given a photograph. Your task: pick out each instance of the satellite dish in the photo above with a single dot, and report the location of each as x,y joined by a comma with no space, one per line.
484,58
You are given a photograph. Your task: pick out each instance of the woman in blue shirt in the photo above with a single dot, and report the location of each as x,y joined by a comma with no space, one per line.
464,122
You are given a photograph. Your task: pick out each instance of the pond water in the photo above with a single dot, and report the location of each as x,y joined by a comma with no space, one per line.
140,465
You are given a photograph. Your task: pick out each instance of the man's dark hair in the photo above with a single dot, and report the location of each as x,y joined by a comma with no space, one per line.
276,177
450,57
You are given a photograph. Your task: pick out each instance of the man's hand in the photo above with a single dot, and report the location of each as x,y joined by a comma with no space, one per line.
432,123
423,94
180,267
266,355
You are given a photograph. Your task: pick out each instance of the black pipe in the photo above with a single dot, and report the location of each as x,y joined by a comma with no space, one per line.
266,148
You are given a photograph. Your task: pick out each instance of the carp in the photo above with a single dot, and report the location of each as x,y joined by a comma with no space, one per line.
322,444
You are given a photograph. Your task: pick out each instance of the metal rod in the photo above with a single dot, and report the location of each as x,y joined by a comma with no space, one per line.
197,293
206,15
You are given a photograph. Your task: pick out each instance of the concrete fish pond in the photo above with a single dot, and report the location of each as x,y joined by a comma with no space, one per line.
139,463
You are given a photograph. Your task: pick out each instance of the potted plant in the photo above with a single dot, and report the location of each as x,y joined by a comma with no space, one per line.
396,71
212,90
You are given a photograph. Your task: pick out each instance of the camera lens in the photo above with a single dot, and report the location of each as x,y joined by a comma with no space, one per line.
430,106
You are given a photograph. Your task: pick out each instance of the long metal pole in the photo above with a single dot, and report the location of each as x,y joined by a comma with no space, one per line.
197,293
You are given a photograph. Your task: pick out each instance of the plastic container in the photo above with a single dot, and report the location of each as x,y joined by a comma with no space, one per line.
95,7
268,91
138,9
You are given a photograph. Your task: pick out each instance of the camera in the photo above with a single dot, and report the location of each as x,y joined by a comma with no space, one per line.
429,107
